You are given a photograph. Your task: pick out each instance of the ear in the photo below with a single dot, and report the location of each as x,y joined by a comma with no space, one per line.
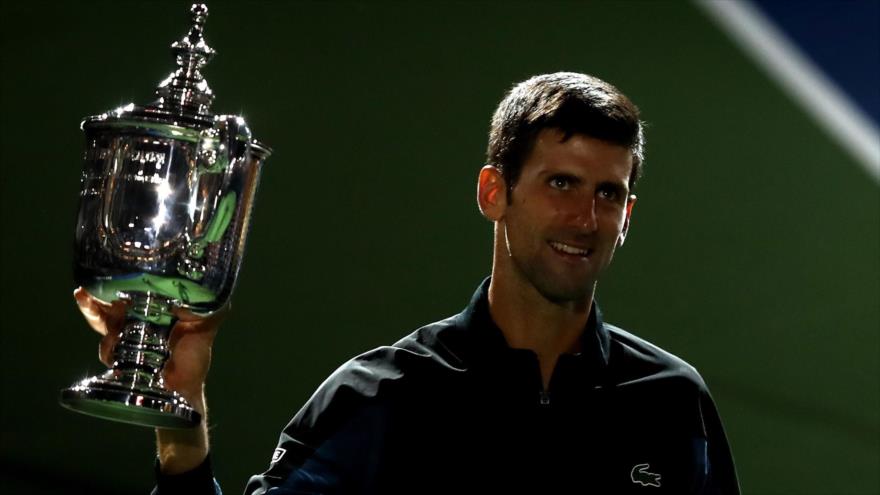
630,202
491,193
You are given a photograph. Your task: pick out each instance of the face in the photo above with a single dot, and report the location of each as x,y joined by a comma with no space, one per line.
567,213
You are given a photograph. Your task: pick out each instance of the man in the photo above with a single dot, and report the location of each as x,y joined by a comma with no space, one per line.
527,390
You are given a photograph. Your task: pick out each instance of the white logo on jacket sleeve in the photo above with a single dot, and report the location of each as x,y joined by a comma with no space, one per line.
642,476
278,454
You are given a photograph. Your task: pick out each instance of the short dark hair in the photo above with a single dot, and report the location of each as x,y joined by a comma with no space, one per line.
571,102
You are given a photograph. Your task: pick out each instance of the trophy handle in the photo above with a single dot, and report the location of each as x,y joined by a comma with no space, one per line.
222,148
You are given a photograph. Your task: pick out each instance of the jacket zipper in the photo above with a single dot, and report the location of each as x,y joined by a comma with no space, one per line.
544,398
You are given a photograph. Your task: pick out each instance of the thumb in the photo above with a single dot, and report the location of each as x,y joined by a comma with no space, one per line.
106,346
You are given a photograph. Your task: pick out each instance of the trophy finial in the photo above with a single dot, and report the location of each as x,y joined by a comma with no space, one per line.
185,90
199,12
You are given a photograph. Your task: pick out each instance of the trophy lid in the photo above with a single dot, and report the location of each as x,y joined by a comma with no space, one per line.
185,90
184,98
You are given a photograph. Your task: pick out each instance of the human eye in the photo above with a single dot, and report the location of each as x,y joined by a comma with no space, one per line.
561,182
610,192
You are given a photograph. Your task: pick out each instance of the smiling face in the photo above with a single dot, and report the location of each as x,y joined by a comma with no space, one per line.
565,216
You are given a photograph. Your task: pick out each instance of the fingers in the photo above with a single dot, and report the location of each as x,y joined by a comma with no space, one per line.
189,322
105,348
103,317
108,320
91,310
215,318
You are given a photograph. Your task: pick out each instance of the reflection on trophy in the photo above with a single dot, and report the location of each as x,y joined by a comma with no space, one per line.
167,191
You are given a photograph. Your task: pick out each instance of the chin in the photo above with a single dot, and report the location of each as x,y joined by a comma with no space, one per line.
558,292
556,284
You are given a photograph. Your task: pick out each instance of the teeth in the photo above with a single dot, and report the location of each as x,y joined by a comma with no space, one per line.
565,248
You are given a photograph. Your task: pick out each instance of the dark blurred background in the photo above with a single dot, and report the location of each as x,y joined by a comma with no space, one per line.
753,252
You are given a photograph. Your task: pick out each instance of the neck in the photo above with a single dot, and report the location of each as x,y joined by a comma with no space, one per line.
528,320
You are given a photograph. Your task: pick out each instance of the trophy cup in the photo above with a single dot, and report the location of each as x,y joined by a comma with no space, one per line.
166,197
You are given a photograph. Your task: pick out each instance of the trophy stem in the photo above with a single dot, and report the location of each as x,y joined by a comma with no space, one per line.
133,390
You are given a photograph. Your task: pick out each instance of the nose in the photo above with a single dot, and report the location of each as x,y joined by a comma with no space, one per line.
584,216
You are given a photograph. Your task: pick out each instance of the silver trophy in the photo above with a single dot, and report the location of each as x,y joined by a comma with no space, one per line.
167,191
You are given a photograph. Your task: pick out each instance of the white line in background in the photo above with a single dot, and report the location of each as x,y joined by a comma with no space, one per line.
785,63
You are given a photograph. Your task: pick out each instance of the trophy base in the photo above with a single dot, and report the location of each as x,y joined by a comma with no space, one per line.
106,399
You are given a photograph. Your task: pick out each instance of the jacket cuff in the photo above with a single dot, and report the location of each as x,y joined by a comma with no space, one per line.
198,481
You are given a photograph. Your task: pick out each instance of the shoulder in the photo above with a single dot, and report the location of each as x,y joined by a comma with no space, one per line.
633,359
379,376
378,372
427,348
436,344
641,374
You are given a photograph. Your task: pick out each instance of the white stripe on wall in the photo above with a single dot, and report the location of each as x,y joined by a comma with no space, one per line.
788,66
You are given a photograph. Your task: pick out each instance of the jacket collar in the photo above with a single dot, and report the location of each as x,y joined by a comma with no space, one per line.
488,338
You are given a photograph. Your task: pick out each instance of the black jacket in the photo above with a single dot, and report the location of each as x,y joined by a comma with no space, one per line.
452,409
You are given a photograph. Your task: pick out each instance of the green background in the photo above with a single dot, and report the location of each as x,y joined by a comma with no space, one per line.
753,252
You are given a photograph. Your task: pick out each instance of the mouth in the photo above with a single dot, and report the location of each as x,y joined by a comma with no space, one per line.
569,250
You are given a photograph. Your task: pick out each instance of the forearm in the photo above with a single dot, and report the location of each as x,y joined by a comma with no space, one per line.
182,450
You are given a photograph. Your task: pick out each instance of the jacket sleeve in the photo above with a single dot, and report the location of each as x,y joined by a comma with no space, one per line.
335,443
331,446
344,462
721,479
